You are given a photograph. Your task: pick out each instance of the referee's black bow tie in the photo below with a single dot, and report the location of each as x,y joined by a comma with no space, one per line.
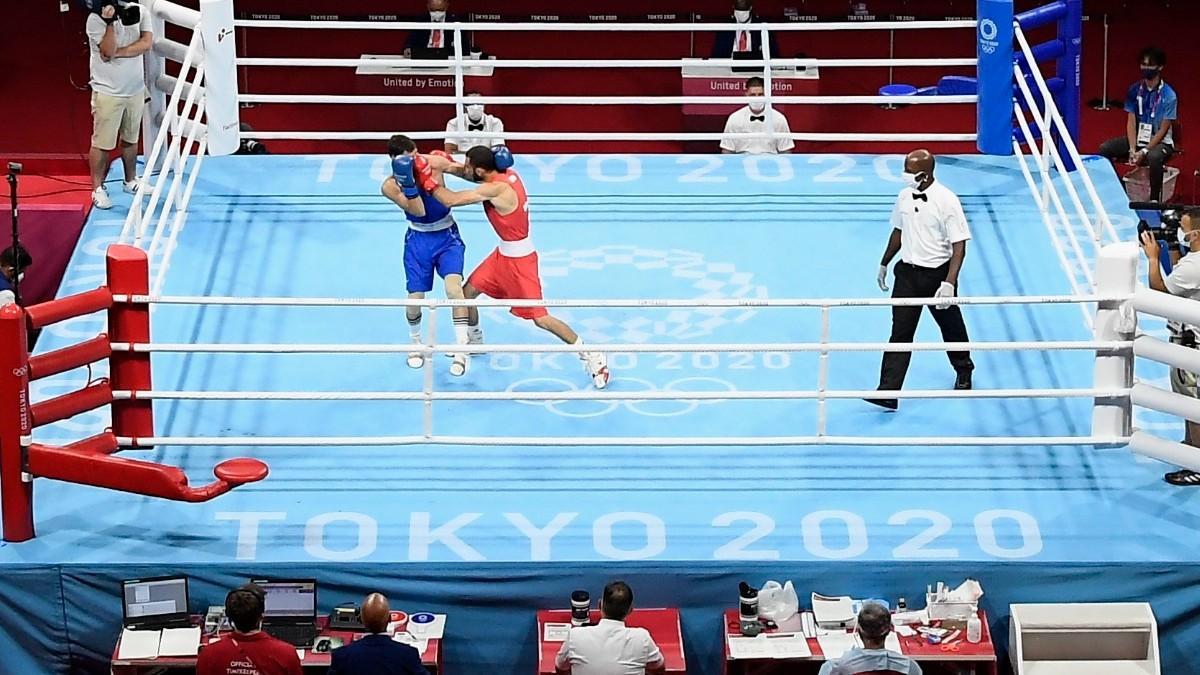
921,195
758,118
475,127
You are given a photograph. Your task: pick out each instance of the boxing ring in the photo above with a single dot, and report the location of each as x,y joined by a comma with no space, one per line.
736,298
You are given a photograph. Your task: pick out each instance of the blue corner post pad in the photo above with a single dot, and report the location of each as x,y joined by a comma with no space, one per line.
994,49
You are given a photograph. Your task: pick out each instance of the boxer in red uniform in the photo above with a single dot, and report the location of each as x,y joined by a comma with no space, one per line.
511,271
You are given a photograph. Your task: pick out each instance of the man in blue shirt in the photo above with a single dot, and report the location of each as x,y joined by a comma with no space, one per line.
874,624
1152,108
376,653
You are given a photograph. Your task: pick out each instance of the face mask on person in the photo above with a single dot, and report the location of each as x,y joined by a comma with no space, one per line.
1149,73
757,105
913,180
437,16
741,15
20,277
475,112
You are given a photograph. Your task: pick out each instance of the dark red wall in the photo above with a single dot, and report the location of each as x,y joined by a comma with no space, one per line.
52,61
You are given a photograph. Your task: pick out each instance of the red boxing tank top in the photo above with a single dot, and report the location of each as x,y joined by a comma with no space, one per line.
514,226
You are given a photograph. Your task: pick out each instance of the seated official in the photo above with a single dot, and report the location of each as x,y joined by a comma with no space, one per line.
743,43
1152,108
247,649
609,647
753,118
377,653
435,38
14,261
473,119
874,624
1184,281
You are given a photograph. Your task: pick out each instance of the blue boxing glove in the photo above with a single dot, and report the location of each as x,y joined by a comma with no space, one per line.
402,171
503,157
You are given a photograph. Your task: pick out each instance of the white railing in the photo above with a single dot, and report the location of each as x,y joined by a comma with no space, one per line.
1064,225
461,67
820,395
160,204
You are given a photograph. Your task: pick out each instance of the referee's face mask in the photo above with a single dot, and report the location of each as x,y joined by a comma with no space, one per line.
914,180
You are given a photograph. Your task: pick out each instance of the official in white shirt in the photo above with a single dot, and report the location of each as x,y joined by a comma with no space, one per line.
474,119
610,647
930,232
753,118
1183,281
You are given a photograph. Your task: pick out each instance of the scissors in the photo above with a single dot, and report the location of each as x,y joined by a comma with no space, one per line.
949,646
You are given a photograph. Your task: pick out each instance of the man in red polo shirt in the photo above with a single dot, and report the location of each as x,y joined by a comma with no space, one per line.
247,650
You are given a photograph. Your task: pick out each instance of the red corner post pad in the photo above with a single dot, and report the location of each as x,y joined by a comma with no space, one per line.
90,462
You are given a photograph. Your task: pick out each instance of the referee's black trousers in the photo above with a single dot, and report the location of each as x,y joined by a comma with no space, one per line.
912,281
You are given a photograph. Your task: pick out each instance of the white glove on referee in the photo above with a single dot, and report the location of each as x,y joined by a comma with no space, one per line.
945,290
881,278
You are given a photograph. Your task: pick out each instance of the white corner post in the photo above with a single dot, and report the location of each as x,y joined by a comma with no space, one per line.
1116,275
220,76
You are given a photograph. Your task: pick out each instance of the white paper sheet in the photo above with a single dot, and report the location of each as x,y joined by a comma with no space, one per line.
139,644
180,642
832,610
769,647
555,632
835,643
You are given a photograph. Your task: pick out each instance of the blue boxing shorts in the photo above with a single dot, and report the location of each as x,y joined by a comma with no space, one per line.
428,252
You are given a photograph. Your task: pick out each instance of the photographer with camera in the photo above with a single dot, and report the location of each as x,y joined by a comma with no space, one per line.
1184,281
118,34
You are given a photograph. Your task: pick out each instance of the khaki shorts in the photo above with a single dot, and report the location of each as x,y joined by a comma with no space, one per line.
113,116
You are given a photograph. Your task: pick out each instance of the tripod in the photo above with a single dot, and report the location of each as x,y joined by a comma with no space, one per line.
14,170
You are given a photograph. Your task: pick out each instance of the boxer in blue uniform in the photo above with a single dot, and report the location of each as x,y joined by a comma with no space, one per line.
432,244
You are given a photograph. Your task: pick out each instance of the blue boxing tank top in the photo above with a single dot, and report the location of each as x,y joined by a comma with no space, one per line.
437,216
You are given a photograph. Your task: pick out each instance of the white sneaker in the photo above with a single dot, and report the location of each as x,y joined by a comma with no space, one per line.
475,337
416,359
100,198
596,364
460,365
131,186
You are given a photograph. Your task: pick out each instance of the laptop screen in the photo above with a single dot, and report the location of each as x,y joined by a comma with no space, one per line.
289,599
149,599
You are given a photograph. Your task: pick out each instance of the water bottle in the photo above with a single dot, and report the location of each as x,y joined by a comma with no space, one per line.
748,610
581,608
974,629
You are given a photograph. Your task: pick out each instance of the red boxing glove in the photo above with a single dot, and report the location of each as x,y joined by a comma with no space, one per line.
424,174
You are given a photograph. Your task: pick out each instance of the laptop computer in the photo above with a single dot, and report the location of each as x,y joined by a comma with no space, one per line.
290,612
432,53
155,603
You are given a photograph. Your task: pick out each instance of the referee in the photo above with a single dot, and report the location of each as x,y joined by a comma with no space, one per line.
930,233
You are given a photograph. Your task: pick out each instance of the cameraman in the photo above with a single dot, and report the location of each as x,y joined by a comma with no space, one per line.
117,38
1183,281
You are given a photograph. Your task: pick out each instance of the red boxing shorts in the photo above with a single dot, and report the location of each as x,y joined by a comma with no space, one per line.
505,278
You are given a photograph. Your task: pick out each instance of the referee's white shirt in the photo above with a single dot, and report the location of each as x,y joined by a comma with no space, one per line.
608,648
739,122
929,227
461,123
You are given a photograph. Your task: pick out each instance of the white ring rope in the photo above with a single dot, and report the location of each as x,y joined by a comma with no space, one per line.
627,302
613,136
797,347
601,27
619,441
798,395
596,100
442,64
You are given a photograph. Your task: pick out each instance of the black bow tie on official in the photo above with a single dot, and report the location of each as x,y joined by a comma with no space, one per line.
920,195
474,127
758,118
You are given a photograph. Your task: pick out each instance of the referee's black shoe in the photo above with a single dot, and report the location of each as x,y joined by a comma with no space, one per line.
963,380
887,403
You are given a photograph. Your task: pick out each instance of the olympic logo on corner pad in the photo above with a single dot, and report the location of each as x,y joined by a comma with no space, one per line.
581,408
988,30
671,273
